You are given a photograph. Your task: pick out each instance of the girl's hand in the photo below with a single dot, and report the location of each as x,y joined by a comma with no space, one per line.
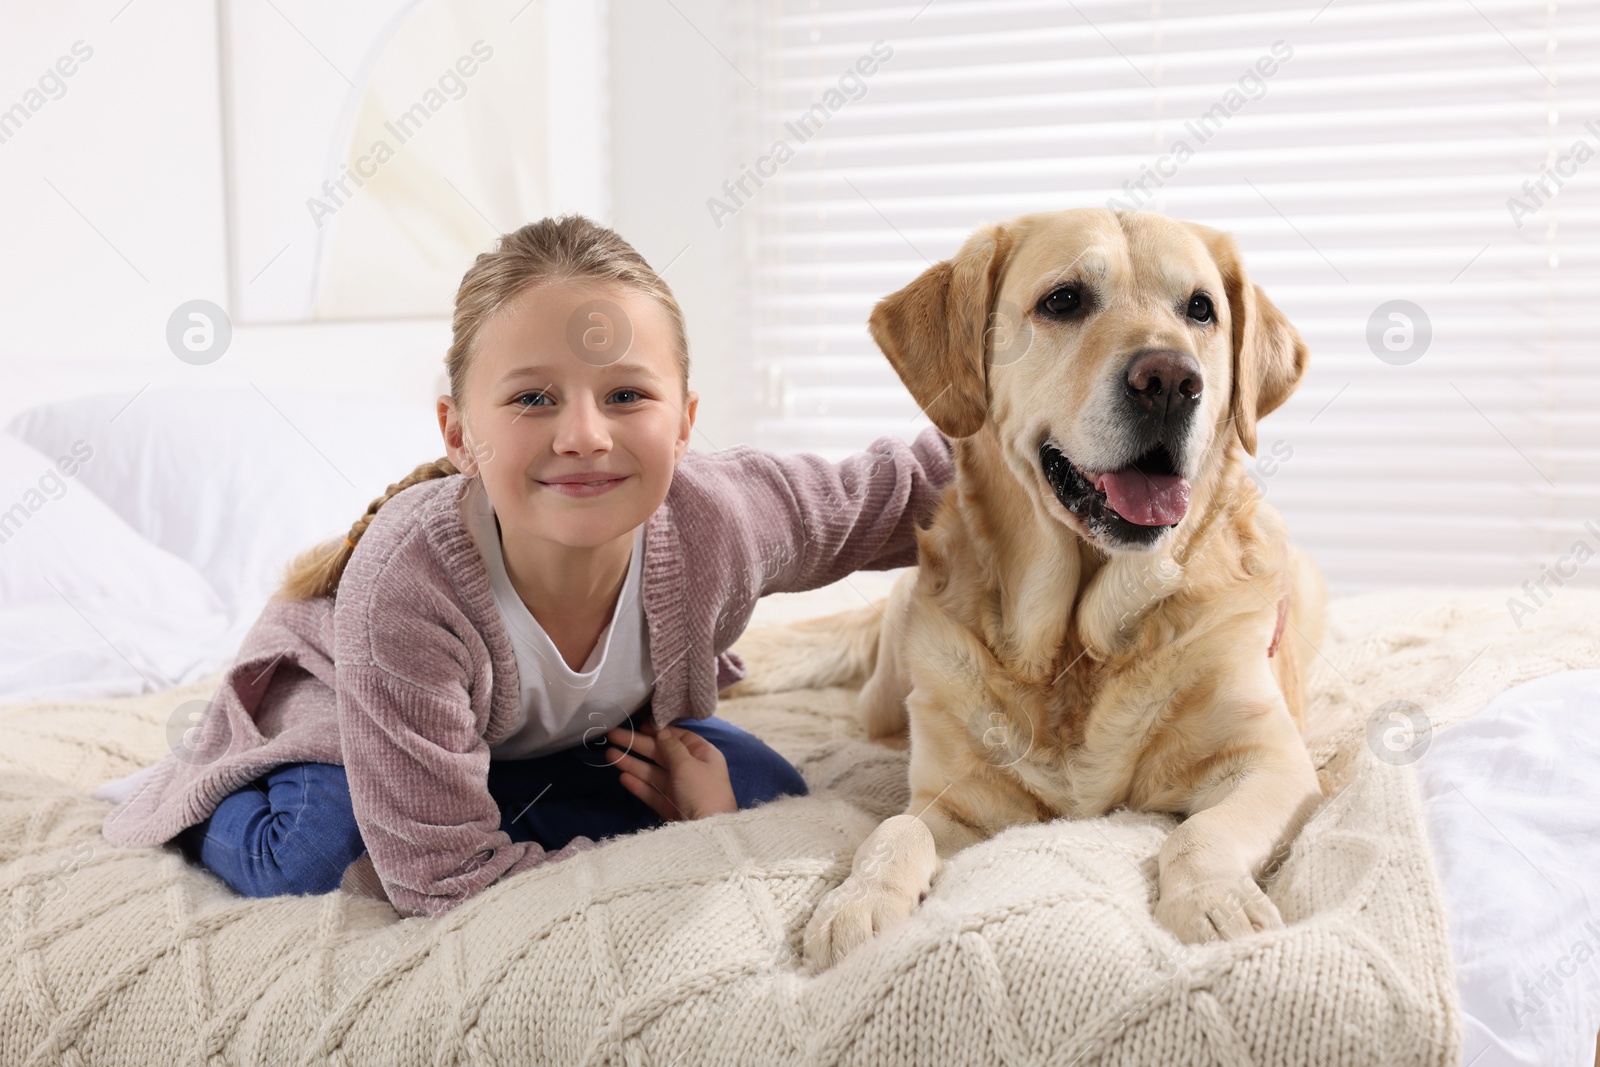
689,778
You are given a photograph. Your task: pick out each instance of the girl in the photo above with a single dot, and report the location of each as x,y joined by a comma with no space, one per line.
432,695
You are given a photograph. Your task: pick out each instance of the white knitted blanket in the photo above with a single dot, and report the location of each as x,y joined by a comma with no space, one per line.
681,945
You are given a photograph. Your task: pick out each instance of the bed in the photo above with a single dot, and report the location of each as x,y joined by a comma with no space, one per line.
1435,905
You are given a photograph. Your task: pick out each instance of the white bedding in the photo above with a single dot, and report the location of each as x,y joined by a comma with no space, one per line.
88,606
1512,802
155,586
144,567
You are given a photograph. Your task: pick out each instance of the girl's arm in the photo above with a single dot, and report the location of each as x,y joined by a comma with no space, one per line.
418,766
813,522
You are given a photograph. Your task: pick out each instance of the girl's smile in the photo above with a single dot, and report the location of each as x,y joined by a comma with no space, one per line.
583,483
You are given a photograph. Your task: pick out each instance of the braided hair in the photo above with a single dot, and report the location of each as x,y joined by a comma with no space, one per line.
316,571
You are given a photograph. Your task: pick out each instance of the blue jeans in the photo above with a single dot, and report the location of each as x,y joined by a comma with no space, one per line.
293,830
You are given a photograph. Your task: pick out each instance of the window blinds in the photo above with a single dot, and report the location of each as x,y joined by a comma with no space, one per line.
1416,184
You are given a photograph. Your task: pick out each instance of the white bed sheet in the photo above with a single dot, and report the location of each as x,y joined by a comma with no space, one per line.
1512,801
80,651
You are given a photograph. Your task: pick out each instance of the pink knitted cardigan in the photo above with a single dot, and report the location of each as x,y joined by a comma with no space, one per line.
407,675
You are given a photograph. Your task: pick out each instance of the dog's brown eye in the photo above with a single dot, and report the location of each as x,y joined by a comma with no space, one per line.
1064,301
1200,309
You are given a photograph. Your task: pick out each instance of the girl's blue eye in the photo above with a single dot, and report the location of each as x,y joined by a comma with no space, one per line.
634,393
536,396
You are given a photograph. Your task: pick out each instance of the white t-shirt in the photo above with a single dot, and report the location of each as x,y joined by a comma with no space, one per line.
559,705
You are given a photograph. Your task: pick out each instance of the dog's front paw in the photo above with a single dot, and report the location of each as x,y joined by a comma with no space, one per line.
1198,911
849,915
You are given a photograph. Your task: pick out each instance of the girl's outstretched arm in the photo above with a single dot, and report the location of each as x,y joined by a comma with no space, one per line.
801,521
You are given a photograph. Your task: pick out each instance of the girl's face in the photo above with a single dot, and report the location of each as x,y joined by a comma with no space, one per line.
575,415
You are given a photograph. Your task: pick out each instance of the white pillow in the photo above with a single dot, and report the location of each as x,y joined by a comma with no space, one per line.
87,606
233,480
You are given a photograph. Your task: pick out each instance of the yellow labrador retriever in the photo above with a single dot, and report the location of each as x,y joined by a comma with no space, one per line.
1097,617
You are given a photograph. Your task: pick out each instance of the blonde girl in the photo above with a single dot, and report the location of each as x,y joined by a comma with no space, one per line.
516,652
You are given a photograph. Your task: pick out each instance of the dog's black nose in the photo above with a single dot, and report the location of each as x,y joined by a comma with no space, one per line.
1165,383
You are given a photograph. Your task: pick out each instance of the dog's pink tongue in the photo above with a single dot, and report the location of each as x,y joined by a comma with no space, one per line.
1145,499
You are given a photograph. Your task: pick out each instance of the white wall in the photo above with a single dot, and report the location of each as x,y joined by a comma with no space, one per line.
675,100
136,144
291,72
111,210
112,196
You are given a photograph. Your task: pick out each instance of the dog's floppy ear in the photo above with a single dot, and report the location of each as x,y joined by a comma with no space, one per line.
1269,356
934,331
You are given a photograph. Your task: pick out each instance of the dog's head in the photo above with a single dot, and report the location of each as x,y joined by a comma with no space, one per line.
1116,356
